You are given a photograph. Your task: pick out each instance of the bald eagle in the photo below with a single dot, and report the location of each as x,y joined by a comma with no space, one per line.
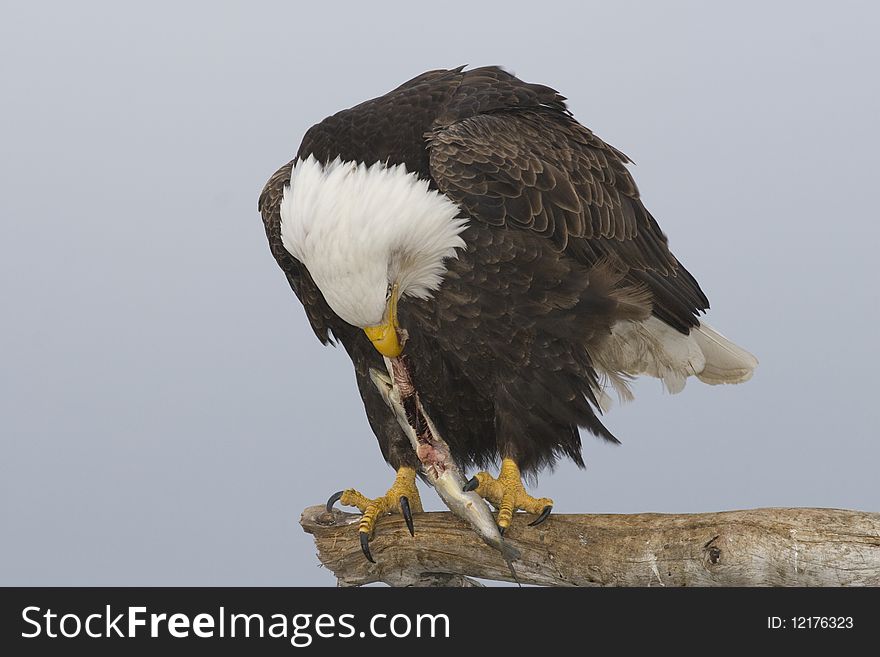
469,212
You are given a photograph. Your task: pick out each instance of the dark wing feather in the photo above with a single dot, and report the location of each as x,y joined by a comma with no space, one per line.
492,89
538,169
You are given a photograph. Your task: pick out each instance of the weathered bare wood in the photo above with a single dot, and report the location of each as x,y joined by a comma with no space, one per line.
760,547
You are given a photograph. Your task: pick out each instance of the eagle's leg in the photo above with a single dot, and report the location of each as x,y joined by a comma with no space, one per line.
402,497
507,494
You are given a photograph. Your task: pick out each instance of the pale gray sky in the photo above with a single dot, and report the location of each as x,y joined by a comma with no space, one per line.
165,410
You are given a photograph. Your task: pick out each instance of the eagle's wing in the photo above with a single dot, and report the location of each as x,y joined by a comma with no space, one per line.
538,169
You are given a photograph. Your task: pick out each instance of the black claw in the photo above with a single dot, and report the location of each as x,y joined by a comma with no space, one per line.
541,518
365,546
407,514
334,498
471,484
501,529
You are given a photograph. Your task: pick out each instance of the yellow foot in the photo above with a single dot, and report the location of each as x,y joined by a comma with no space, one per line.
402,497
507,494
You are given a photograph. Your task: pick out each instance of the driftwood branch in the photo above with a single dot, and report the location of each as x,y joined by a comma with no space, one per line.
760,547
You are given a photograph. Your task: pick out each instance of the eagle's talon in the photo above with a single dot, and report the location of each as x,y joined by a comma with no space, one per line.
365,546
471,484
402,497
334,498
541,518
508,495
407,514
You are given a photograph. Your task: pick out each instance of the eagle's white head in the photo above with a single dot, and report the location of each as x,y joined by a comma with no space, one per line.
369,236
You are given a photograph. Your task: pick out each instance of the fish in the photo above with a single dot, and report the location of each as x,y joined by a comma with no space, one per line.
438,467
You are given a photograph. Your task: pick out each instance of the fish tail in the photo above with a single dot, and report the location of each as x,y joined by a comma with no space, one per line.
510,554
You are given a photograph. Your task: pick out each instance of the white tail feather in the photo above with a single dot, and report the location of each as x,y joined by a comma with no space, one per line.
652,347
726,362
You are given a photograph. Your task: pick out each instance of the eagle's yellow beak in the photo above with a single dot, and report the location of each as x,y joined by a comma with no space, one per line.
384,335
